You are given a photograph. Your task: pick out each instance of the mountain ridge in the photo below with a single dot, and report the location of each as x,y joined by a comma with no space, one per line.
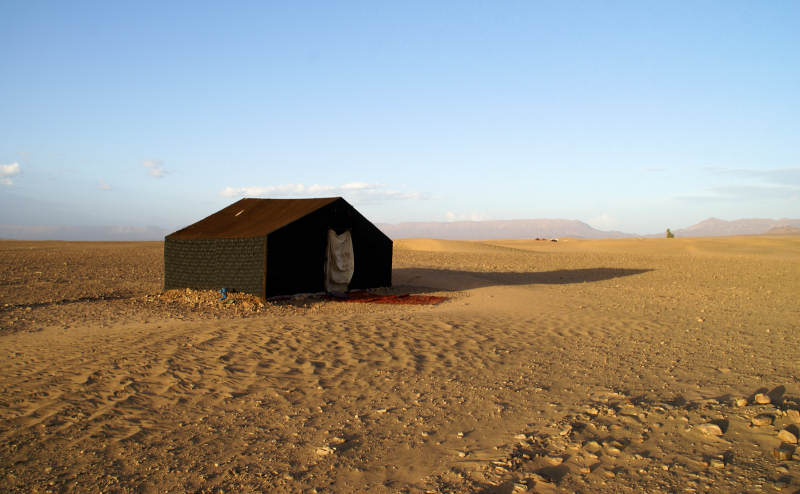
452,230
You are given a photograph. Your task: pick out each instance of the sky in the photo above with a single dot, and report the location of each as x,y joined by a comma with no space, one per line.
631,116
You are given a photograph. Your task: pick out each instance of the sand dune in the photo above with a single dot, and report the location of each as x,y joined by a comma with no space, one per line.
581,366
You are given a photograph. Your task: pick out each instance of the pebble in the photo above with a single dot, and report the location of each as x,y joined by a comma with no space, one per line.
710,429
762,399
784,452
716,463
740,402
787,437
762,419
592,446
324,450
554,460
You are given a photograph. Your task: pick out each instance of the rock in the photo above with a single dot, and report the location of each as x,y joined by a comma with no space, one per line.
740,402
592,446
716,463
709,429
324,451
554,460
762,419
784,452
793,415
787,437
762,399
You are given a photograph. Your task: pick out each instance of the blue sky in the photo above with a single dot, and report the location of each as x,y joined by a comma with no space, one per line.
634,116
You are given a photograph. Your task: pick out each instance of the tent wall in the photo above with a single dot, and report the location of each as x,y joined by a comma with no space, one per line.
233,263
296,257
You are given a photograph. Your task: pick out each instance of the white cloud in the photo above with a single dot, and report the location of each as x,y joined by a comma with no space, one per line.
473,216
357,191
8,171
102,185
155,168
603,221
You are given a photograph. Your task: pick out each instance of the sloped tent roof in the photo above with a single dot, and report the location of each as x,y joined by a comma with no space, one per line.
251,218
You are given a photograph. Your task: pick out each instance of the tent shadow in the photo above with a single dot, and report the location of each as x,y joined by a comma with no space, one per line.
418,280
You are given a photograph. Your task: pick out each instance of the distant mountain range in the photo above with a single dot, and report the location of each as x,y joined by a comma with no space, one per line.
714,227
544,228
455,230
493,230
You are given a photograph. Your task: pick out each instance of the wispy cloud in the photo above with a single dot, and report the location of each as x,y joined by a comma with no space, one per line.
603,221
359,191
102,185
8,171
473,216
778,176
750,185
155,168
727,193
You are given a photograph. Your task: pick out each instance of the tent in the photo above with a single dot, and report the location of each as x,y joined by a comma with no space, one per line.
270,247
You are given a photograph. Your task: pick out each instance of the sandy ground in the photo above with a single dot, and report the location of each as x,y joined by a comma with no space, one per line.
577,366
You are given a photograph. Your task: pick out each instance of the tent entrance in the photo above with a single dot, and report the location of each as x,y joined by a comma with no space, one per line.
339,262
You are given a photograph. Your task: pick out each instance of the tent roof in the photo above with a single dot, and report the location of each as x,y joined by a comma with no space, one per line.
251,218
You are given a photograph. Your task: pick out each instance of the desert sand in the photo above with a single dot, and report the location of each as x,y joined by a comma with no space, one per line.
631,365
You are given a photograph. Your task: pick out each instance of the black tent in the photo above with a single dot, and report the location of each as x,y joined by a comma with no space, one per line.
270,247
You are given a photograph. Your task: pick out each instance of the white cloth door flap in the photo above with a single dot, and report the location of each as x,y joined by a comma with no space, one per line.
340,262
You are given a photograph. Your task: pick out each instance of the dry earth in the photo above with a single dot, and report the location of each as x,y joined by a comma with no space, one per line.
577,366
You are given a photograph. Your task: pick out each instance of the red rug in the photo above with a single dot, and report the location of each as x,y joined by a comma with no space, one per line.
404,299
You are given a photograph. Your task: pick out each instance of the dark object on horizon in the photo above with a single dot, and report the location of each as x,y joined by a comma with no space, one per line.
670,234
269,247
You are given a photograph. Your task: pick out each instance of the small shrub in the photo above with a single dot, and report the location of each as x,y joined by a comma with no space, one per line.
670,234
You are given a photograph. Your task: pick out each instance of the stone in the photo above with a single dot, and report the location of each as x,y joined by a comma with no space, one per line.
716,463
592,446
787,437
784,452
762,399
762,419
324,451
709,429
740,402
793,415
554,460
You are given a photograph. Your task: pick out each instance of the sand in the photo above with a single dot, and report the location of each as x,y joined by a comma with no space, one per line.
578,366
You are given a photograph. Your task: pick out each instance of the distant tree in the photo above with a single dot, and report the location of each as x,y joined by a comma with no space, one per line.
670,234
